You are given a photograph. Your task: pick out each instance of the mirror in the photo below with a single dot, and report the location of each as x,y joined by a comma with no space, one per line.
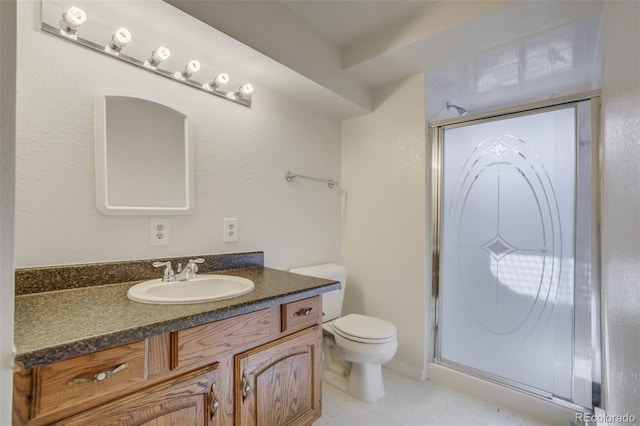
143,157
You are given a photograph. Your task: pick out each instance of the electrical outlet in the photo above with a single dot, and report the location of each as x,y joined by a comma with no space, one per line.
230,229
159,231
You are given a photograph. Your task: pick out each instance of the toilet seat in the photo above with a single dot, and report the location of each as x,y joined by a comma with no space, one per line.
364,329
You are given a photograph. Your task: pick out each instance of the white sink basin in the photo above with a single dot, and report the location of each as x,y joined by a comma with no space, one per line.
204,288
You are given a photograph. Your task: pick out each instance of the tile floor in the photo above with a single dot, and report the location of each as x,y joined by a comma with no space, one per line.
408,402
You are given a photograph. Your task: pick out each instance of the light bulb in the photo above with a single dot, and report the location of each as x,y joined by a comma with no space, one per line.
190,69
218,80
244,90
119,40
71,21
159,55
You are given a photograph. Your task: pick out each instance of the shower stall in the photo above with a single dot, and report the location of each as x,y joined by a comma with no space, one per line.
515,280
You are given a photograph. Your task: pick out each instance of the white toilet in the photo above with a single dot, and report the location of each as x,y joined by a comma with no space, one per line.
354,346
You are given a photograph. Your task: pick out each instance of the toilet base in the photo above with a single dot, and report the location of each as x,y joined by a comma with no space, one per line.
336,380
365,382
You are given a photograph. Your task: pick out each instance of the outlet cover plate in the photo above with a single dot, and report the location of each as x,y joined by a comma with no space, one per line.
159,231
230,229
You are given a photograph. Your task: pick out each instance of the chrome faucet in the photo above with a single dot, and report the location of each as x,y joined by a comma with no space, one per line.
188,273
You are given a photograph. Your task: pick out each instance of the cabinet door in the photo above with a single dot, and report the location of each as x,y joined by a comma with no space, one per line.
279,383
189,400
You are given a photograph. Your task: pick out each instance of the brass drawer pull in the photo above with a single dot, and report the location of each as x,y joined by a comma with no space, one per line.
302,311
98,377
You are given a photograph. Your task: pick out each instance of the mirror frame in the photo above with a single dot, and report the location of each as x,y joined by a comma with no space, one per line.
102,193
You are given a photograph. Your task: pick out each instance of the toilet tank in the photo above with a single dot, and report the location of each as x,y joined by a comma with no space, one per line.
332,300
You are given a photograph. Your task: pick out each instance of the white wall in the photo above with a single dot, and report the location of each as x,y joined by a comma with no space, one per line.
7,176
241,156
621,206
384,166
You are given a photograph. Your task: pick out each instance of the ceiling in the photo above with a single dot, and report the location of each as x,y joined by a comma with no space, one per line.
354,47
343,22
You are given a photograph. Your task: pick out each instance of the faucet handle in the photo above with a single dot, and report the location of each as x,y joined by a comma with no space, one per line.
192,267
194,262
168,274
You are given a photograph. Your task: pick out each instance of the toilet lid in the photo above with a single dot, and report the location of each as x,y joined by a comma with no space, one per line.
362,328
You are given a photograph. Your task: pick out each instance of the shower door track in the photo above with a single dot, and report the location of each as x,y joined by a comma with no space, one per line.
436,135
515,386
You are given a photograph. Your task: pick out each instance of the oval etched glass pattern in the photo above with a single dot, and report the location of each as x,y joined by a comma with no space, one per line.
512,257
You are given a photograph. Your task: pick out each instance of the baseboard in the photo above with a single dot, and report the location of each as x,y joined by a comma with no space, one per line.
406,369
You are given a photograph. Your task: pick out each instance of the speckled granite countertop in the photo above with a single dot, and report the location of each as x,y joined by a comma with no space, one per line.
57,325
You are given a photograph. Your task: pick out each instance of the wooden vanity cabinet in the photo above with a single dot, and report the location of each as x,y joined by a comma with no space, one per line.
259,368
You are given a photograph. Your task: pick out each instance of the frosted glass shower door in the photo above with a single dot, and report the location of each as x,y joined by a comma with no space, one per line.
506,304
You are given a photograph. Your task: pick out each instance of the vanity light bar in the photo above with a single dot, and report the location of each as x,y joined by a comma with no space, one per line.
69,28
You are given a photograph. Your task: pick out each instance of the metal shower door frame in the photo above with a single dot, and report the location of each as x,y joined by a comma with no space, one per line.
587,349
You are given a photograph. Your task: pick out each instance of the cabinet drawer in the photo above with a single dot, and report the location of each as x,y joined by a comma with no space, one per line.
301,314
199,344
88,377
185,401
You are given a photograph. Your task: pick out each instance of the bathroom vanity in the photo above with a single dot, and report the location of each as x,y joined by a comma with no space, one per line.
250,360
